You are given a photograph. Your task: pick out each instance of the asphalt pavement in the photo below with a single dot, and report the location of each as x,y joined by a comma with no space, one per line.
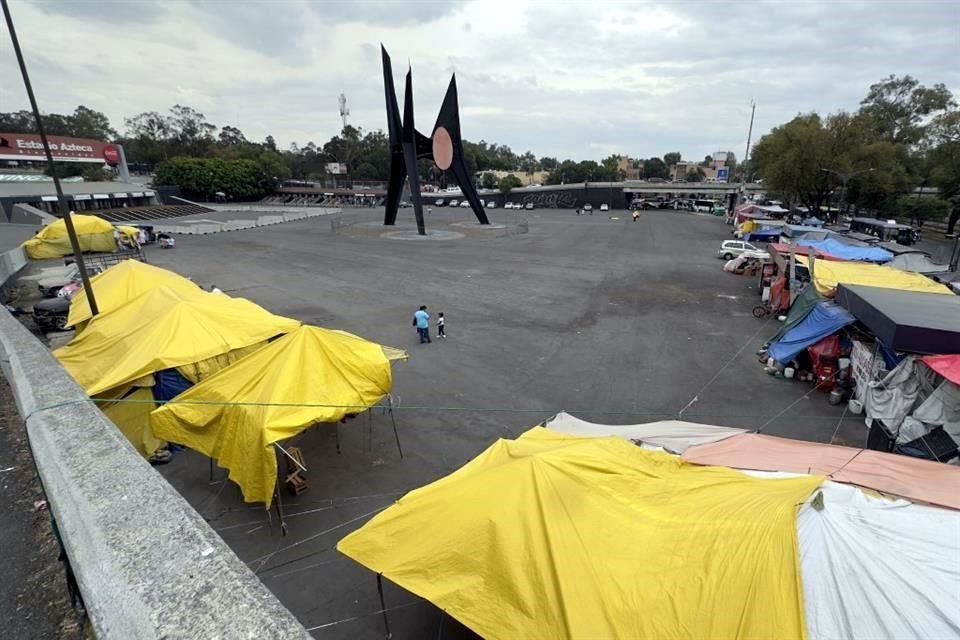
611,320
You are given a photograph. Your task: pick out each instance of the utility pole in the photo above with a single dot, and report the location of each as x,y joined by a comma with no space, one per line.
62,199
746,160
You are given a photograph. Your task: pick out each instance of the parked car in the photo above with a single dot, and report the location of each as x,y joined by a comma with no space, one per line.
529,206
51,314
439,203
404,204
604,207
464,204
588,208
491,204
50,285
732,248
454,203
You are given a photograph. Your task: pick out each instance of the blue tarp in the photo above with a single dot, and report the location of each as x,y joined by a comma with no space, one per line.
847,251
169,383
813,221
825,319
763,235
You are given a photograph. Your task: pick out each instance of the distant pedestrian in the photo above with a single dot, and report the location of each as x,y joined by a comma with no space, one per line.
421,320
441,326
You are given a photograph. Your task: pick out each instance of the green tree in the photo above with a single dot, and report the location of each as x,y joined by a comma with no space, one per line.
204,177
509,182
548,164
655,168
695,174
671,158
793,158
488,180
231,136
899,108
924,209
87,123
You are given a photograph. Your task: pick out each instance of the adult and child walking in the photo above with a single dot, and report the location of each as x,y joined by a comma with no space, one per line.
421,320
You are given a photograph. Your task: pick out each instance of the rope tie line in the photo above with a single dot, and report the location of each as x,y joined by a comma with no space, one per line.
451,409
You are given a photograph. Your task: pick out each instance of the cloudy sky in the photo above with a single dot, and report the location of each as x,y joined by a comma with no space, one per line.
568,78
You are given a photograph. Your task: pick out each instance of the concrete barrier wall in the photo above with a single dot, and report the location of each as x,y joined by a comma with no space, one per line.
147,564
11,262
270,217
28,214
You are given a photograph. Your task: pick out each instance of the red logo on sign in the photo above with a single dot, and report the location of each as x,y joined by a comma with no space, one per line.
111,154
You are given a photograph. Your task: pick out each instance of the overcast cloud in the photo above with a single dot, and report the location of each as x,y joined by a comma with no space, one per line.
577,79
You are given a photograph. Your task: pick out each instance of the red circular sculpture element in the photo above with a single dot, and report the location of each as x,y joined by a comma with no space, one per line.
442,149
111,155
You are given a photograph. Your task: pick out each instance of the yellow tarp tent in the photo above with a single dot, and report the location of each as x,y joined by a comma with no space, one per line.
120,284
93,234
133,419
829,273
341,371
556,536
164,329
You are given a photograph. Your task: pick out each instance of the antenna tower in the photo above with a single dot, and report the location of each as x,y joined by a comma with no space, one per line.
344,109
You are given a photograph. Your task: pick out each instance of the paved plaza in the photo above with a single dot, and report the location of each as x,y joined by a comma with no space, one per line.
611,320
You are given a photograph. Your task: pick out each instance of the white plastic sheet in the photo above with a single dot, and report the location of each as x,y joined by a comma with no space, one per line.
877,568
673,435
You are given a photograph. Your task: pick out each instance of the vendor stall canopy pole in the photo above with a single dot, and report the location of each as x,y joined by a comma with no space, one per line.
62,199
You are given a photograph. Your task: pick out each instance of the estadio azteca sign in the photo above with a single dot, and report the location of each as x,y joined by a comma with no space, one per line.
27,146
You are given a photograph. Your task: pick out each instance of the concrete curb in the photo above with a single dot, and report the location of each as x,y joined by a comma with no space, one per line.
148,565
268,217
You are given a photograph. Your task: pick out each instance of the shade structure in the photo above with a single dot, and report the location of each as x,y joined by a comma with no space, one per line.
309,376
846,251
948,366
132,417
824,319
908,321
164,329
120,284
672,435
912,478
875,567
93,234
555,536
828,274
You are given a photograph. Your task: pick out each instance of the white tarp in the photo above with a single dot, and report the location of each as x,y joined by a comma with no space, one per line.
878,568
942,407
673,435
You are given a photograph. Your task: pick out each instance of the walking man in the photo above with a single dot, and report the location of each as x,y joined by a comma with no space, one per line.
421,320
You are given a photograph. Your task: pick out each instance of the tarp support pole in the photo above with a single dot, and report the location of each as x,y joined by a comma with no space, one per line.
393,420
211,470
336,431
440,627
383,606
286,453
283,523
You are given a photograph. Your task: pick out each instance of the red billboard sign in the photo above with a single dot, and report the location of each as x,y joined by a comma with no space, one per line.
27,146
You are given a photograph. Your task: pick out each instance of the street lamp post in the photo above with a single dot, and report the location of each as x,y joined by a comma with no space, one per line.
845,177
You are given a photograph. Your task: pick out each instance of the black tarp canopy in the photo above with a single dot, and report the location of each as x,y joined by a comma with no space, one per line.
910,321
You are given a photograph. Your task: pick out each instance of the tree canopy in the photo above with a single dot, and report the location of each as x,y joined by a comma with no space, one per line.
903,136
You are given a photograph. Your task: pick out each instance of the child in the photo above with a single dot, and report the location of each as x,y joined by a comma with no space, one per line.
441,326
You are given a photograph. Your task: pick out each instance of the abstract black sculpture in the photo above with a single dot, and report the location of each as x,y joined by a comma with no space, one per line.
444,147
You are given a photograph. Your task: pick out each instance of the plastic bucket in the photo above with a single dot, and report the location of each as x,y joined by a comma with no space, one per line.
855,406
788,372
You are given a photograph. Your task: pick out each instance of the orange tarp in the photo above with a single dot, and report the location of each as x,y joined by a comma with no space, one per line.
912,478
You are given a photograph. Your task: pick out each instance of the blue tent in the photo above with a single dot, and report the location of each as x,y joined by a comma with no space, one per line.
813,221
763,235
825,319
847,251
